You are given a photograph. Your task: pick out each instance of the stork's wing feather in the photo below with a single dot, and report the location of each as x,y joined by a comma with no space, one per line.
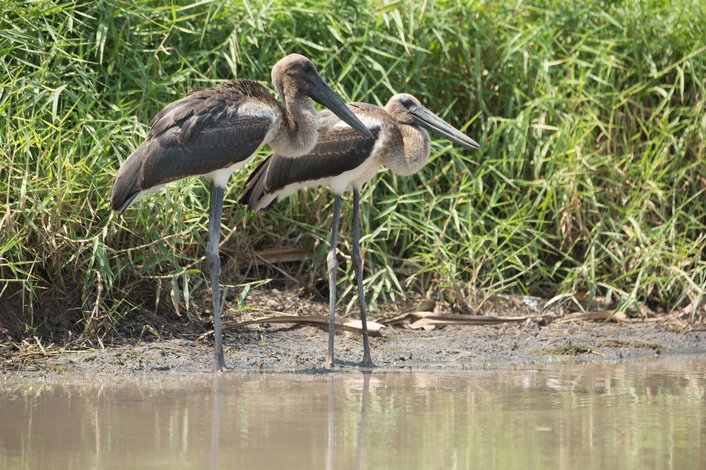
199,148
200,108
196,135
338,150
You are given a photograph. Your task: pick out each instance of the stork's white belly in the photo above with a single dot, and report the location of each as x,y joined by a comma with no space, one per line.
354,178
220,177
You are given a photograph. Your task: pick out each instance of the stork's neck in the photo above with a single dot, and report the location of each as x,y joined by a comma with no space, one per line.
299,128
415,154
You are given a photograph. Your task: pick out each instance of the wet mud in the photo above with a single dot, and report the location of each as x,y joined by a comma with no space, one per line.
540,338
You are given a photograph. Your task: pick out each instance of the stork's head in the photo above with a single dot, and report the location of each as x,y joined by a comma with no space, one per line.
295,75
407,109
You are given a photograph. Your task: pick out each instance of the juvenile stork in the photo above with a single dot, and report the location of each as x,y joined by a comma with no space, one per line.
212,132
345,159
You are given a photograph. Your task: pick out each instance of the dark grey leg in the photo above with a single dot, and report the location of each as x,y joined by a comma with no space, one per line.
332,264
357,265
214,268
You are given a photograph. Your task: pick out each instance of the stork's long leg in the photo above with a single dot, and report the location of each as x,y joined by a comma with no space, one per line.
213,259
332,265
357,265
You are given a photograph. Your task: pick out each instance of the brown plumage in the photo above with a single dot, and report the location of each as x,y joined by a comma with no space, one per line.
342,160
197,134
206,106
216,129
338,150
212,132
334,154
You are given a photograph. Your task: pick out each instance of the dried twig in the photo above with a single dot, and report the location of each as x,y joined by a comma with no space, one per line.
321,321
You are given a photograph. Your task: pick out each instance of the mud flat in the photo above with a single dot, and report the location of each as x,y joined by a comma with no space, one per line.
186,346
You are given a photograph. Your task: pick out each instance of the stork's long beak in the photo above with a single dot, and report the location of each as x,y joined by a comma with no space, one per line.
434,123
324,95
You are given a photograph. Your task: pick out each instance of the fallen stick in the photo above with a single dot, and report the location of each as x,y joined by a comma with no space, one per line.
596,315
429,320
320,321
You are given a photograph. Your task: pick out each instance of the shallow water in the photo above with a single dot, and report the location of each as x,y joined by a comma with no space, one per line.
596,415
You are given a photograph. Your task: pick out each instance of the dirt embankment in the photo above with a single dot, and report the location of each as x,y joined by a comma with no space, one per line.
514,330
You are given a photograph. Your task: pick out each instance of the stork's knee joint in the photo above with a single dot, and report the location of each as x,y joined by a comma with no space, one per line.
331,260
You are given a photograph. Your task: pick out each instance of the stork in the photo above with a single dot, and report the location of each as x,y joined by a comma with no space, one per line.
344,158
212,132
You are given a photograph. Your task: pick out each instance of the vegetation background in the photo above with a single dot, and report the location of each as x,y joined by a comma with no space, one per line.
591,176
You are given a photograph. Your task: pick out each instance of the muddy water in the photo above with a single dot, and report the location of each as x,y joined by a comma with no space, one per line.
599,415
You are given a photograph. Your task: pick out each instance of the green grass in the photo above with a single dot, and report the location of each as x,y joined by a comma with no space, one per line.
590,116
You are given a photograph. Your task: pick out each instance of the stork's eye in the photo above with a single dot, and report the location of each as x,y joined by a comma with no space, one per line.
308,68
407,103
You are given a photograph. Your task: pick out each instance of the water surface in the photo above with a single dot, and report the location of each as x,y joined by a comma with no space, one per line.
597,415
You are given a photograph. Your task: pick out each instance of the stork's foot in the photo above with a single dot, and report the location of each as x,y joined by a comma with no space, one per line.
330,364
220,363
366,363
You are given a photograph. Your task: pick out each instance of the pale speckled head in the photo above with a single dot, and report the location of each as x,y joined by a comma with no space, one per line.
407,109
400,107
294,75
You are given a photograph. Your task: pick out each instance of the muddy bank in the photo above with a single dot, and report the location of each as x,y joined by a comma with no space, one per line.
542,337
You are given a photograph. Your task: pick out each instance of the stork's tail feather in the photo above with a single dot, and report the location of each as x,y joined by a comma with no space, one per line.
127,182
255,187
